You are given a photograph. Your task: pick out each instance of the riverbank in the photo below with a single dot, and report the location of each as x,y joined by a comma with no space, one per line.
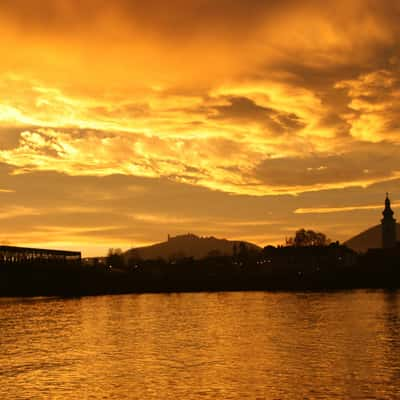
81,280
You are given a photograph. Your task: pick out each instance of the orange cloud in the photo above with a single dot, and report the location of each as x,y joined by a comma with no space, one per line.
328,210
245,98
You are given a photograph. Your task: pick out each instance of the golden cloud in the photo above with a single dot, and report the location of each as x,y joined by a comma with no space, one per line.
328,210
203,94
251,98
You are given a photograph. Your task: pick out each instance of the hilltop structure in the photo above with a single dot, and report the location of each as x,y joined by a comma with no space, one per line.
189,245
388,224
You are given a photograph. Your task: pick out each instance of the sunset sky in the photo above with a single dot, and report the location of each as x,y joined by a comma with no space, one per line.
122,121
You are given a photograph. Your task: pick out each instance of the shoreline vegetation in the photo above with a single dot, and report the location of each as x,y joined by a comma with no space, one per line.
289,268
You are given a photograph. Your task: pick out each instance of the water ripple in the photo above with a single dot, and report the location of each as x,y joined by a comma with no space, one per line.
202,346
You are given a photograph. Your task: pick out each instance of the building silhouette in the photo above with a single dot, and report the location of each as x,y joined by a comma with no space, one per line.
388,226
27,255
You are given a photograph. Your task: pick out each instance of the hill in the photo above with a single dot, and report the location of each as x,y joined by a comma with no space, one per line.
369,239
187,246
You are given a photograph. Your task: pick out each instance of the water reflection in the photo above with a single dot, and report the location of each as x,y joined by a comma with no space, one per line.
208,345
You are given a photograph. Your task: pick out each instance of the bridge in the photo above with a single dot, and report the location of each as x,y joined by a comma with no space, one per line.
13,254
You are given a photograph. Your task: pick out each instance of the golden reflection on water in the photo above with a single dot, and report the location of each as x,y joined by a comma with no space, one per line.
202,346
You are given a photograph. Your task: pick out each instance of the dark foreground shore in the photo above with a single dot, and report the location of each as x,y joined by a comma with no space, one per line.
80,280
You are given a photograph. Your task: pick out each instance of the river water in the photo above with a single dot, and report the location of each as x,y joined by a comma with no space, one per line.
244,345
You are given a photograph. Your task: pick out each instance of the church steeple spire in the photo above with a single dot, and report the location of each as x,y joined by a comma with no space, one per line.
387,212
388,226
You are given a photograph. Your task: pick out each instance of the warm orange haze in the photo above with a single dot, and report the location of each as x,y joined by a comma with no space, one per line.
123,121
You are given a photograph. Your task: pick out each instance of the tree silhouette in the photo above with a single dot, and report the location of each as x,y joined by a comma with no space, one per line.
115,258
305,238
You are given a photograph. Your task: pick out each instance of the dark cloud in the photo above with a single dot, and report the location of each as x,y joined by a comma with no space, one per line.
368,162
122,111
9,137
182,17
290,121
174,16
245,109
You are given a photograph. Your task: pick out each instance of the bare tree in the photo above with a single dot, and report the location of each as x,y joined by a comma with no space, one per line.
115,258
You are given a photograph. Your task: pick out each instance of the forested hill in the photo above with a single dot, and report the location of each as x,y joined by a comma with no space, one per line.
189,246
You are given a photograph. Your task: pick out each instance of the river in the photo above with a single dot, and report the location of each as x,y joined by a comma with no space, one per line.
241,345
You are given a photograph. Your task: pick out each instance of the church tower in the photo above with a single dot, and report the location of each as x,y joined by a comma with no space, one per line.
388,226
